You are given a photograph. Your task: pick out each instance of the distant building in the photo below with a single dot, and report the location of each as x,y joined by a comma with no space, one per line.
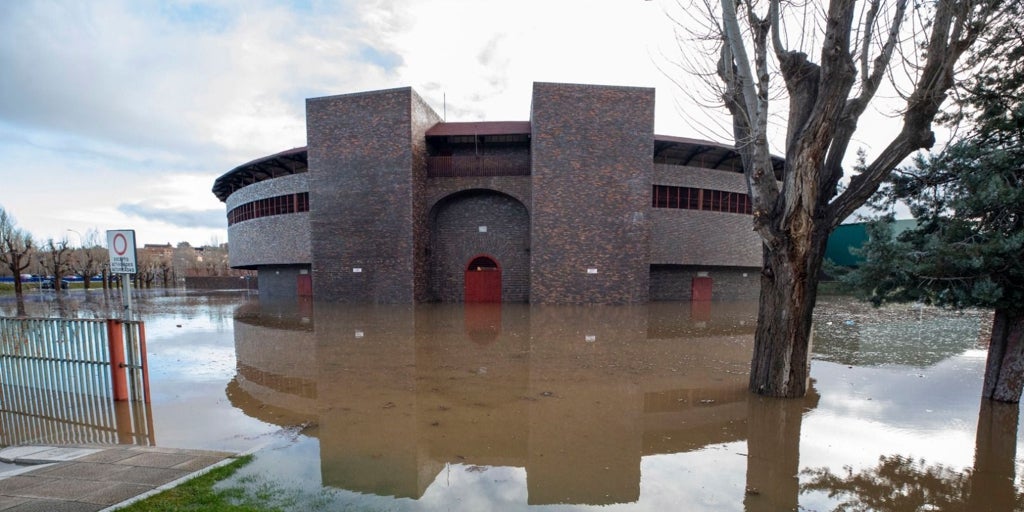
847,238
158,250
582,203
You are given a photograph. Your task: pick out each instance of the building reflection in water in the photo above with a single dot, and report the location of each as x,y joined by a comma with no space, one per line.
575,395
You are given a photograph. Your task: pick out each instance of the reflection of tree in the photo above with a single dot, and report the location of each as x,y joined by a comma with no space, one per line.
995,457
773,447
896,484
899,484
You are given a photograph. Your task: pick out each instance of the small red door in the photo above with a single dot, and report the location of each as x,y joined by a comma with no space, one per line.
483,280
700,288
305,285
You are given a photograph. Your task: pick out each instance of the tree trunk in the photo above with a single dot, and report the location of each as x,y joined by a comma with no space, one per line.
1004,370
782,342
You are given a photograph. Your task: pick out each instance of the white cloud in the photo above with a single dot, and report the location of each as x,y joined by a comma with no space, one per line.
124,102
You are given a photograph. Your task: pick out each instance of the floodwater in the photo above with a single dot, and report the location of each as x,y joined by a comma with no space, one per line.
516,407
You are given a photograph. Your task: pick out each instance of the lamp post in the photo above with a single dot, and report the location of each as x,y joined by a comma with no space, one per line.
81,241
76,262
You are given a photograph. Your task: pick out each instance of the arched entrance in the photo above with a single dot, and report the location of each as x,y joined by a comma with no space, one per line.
471,223
483,280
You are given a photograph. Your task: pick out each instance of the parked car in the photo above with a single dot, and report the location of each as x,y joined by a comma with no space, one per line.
48,284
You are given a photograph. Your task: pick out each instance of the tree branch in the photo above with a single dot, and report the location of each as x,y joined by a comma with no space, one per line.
871,78
956,26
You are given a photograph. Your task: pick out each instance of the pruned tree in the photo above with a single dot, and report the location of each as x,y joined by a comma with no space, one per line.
826,95
55,258
16,249
87,261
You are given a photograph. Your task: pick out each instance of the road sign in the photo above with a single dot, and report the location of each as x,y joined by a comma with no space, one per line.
121,245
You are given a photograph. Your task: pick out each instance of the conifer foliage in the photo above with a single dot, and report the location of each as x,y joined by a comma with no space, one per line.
968,247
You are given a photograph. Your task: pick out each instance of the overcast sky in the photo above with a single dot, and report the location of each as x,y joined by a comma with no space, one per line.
121,114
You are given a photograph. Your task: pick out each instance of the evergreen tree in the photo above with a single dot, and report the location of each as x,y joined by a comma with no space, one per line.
968,247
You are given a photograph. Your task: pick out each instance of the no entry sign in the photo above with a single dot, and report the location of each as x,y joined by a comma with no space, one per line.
121,245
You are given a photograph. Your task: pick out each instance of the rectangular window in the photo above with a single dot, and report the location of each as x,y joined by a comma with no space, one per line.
687,198
278,205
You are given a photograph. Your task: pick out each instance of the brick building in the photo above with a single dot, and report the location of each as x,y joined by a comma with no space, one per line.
583,203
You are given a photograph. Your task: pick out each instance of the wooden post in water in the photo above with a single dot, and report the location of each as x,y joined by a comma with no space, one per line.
118,379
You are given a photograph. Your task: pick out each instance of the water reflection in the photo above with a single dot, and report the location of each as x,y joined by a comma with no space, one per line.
28,417
148,304
576,396
566,408
856,333
582,405
900,483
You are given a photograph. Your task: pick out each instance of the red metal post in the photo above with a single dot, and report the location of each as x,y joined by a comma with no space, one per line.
118,379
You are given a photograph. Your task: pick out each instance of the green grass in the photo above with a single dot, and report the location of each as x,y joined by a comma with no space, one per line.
31,286
199,494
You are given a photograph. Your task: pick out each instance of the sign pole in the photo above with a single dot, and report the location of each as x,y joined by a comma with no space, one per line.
127,285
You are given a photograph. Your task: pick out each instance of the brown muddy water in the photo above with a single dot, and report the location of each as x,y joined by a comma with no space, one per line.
516,407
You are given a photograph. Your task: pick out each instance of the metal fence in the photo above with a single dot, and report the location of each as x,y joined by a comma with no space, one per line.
73,380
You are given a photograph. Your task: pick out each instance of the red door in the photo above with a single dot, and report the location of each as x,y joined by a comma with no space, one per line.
483,280
305,285
700,288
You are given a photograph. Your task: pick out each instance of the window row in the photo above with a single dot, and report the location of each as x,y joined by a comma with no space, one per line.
688,198
290,203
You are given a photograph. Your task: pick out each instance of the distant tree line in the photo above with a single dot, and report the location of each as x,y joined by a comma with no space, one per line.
52,260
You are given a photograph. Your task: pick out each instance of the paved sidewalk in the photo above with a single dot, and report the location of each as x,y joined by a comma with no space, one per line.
90,478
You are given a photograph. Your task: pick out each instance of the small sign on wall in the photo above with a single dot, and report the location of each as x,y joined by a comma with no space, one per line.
482,229
591,270
357,270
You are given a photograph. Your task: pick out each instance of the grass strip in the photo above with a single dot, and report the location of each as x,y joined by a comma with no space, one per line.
199,494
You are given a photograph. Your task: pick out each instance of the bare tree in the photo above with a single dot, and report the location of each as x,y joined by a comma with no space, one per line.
87,261
795,211
55,258
15,249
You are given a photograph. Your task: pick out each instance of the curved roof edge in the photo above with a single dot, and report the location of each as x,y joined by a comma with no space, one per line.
291,161
712,155
667,149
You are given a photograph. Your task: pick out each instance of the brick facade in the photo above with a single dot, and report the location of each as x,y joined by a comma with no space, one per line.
591,171
366,202
272,240
478,223
573,224
674,282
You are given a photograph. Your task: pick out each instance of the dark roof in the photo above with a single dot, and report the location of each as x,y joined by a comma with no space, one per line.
292,161
480,128
667,149
702,153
